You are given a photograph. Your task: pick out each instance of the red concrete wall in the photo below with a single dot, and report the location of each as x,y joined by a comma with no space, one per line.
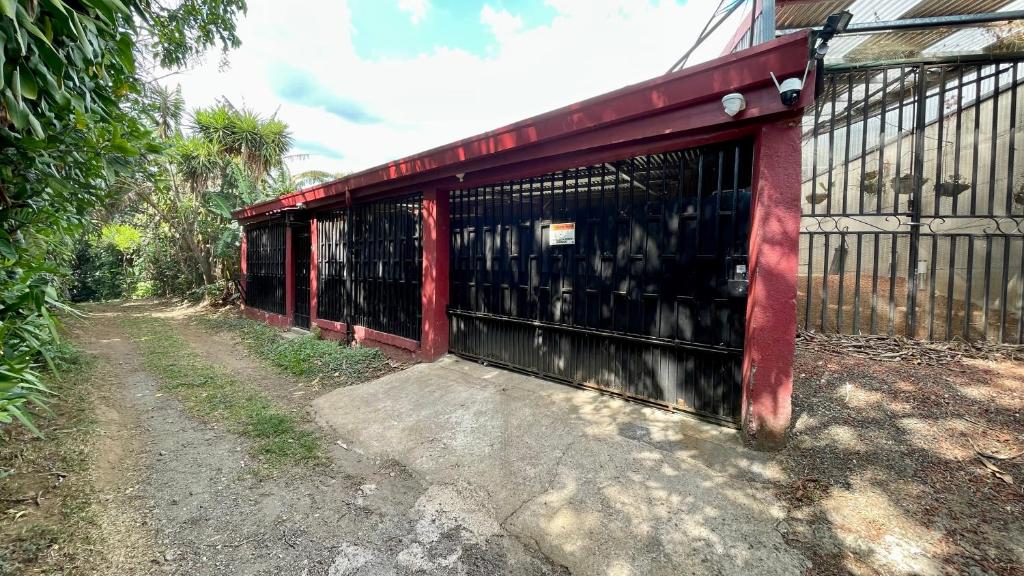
434,330
771,302
268,317
338,331
244,266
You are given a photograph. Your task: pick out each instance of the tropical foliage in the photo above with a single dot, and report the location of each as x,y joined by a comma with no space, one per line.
75,122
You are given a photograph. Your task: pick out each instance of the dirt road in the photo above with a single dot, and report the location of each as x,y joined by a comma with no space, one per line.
184,497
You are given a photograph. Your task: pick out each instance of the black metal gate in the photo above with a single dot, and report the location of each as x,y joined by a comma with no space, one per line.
914,202
628,276
370,265
264,262
301,254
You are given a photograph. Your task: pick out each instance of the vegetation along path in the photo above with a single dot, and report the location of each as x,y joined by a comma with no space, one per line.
202,468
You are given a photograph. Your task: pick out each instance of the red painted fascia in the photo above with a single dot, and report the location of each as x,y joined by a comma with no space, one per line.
745,71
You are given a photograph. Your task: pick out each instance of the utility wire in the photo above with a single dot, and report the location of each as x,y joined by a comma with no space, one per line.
709,29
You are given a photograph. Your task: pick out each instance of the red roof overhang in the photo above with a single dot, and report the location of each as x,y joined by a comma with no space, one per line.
687,101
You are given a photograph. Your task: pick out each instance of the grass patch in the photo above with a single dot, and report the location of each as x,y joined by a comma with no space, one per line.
46,497
304,356
213,393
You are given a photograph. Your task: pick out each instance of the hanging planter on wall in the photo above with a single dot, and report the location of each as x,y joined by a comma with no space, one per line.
906,183
869,183
952,187
816,196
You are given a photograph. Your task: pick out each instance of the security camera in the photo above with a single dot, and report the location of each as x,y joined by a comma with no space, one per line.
790,88
734,103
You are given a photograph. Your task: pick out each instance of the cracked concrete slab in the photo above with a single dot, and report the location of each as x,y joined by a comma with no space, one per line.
593,483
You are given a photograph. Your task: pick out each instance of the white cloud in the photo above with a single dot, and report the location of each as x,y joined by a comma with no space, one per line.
416,9
590,47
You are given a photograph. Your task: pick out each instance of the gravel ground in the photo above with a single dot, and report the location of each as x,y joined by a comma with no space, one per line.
882,476
205,508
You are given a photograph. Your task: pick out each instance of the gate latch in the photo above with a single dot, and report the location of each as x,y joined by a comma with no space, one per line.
738,283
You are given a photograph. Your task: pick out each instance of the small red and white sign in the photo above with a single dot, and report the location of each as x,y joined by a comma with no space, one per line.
562,234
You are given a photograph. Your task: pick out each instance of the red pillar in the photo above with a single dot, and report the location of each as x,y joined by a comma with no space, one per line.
434,331
289,274
243,266
312,272
771,302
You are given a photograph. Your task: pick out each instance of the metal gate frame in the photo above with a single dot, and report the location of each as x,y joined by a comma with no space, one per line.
934,132
594,313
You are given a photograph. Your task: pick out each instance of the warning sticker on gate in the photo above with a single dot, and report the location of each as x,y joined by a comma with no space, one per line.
563,234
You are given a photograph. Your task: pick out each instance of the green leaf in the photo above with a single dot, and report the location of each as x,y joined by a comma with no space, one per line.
35,126
24,419
123,147
9,7
29,86
7,250
15,110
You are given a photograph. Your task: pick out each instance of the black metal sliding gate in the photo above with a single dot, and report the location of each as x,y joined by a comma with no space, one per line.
627,276
913,217
370,265
264,262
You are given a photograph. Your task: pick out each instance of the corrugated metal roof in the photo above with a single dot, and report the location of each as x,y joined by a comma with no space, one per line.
807,14
928,8
903,44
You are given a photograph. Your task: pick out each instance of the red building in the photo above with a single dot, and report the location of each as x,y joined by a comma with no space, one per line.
642,242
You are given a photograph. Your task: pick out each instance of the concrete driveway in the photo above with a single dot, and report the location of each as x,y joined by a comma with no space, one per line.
593,483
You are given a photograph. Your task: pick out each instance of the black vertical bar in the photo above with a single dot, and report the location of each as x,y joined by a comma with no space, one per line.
916,200
940,121
1003,304
831,145
987,284
968,291
814,158
881,138
959,130
975,143
893,258
994,145
874,284
864,146
846,156
810,280
950,286
824,283
856,285
931,285
1020,301
1013,144
899,186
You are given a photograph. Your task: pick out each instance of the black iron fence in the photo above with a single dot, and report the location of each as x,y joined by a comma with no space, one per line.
370,265
264,260
913,202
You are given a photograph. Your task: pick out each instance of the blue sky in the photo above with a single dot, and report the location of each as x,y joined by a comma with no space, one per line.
363,82
395,29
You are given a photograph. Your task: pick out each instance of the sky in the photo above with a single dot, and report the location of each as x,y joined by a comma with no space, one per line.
364,82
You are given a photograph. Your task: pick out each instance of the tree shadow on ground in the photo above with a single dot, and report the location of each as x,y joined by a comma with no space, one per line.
882,474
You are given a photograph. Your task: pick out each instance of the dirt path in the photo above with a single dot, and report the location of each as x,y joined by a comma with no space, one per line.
183,498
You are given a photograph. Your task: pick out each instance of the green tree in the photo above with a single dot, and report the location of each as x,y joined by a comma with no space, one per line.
228,159
72,123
